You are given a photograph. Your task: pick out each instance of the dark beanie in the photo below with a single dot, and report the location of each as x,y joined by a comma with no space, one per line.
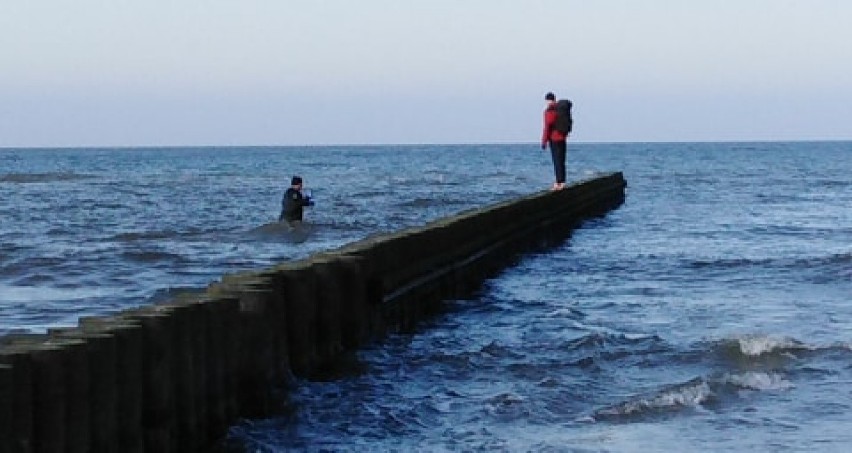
296,180
550,97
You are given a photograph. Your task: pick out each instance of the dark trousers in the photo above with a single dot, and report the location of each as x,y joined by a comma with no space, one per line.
558,149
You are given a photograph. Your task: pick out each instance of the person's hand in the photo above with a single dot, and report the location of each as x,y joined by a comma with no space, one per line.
543,145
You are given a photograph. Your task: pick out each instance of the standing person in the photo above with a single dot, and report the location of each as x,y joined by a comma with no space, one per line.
557,126
293,202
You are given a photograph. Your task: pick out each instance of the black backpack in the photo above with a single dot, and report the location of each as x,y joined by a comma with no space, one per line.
563,122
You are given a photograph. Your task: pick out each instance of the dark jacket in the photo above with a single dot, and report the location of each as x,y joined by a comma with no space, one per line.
292,204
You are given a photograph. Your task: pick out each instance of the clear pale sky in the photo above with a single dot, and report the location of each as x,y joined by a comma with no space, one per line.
294,72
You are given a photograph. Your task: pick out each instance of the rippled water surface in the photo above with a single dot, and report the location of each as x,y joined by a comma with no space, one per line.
710,312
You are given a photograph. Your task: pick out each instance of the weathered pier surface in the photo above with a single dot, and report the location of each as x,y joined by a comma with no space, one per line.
174,376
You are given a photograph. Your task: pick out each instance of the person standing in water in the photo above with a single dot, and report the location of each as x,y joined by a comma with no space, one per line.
293,202
557,126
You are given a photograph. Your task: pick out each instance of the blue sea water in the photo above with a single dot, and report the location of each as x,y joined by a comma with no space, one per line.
710,312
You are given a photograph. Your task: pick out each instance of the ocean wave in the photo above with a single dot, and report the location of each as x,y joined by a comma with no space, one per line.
728,263
8,249
598,348
696,393
834,259
828,263
495,349
26,265
752,346
508,406
754,380
689,394
833,183
25,178
605,341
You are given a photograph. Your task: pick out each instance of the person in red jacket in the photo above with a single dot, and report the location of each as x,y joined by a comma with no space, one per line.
557,140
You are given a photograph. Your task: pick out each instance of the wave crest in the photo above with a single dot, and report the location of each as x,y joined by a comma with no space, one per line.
695,393
689,394
754,380
763,345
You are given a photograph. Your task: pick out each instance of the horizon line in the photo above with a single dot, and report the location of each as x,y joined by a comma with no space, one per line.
366,145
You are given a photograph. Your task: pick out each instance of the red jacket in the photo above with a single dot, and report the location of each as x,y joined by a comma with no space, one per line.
549,132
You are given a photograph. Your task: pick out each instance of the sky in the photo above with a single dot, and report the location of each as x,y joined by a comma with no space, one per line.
328,72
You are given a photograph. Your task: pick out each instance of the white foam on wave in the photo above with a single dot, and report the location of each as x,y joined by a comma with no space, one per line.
692,394
757,345
755,380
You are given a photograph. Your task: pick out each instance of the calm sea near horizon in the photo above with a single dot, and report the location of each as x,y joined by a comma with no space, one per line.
710,312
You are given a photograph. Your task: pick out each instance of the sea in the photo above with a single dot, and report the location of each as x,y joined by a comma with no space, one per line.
712,311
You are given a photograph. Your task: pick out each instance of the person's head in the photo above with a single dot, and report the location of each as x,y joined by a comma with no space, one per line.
296,182
550,97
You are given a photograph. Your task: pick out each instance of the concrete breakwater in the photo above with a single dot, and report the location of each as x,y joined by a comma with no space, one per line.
174,376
